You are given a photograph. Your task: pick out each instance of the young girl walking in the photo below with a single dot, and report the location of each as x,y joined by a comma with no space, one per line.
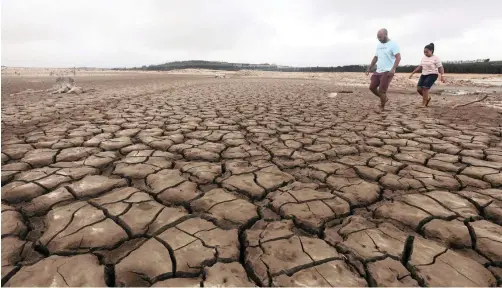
431,68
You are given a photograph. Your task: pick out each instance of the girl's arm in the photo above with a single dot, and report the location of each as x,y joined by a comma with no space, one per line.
416,70
439,65
441,71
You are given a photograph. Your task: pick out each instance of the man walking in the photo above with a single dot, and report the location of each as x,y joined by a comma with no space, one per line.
387,58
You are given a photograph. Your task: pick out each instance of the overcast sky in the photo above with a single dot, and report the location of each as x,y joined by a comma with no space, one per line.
118,33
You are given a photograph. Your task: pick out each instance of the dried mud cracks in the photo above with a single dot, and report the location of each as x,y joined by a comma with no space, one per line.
245,184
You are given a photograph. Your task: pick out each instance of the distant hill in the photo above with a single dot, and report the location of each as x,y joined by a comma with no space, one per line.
482,66
215,65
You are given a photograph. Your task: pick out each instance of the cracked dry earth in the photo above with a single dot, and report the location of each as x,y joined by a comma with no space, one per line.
246,182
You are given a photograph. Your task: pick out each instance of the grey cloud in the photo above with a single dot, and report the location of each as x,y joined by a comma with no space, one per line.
447,9
116,33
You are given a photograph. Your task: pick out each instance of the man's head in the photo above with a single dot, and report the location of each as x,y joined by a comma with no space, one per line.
382,35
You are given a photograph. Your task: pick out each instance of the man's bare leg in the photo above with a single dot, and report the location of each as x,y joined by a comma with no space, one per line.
383,99
378,93
382,89
382,95
375,91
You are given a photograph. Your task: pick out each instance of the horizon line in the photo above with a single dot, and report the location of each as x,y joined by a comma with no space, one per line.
270,64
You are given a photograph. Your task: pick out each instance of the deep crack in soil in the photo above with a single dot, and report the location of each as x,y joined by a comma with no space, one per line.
181,180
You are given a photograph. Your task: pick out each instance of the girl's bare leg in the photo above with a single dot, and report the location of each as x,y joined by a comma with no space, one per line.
425,97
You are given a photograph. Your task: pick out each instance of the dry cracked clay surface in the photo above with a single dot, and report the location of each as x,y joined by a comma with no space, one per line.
247,182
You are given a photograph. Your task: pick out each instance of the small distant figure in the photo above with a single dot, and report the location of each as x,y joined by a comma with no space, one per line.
431,66
387,58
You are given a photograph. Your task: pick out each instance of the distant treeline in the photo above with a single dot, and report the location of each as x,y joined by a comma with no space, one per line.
470,68
475,67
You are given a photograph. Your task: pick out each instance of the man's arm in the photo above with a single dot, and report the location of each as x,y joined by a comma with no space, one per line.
396,63
373,62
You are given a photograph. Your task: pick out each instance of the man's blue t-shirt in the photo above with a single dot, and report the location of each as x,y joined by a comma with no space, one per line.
386,53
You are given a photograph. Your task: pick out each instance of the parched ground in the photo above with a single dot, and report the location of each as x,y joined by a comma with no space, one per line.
185,181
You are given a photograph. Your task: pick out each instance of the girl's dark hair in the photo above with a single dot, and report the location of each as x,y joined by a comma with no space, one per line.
430,47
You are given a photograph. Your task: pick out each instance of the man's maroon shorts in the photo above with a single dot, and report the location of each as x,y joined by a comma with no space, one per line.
381,80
